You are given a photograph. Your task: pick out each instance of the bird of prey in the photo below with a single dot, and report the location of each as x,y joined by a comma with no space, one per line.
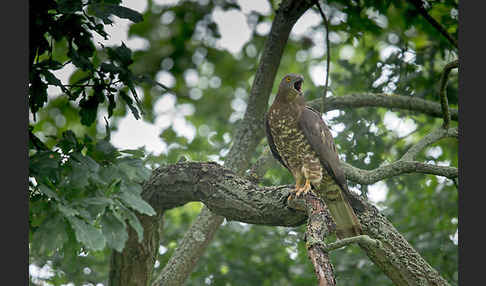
301,141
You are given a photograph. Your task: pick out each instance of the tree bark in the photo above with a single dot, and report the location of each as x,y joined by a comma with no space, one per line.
135,264
319,225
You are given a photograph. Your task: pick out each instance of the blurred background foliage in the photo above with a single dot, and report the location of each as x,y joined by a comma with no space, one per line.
183,81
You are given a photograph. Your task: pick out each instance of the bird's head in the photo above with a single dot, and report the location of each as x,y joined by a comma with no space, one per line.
291,86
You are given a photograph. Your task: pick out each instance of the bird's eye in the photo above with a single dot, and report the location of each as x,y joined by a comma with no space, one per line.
287,79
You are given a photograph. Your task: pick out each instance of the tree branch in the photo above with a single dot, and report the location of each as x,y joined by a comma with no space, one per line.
442,92
319,225
180,265
430,138
236,198
394,169
433,22
384,100
400,167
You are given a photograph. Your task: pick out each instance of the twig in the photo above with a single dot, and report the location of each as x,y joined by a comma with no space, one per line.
360,239
328,56
433,22
442,92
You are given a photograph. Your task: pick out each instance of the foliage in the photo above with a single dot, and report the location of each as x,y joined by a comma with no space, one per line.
84,193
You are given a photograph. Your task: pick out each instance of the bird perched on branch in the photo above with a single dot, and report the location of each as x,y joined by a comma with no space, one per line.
301,141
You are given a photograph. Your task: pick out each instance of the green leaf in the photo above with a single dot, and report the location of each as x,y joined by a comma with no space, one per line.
49,64
50,236
137,203
136,153
89,110
79,60
104,151
111,104
87,161
51,78
68,142
79,176
129,102
44,164
111,68
48,192
122,55
135,223
134,169
87,234
69,6
97,201
67,211
115,231
125,13
37,93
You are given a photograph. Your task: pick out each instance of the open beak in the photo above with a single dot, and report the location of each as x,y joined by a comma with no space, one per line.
298,85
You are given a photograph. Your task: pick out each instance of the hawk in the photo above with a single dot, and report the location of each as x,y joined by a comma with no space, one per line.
301,141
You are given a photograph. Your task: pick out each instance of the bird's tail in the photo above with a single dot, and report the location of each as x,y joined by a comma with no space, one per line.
347,223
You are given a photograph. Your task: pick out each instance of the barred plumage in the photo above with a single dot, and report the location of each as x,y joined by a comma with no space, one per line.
301,141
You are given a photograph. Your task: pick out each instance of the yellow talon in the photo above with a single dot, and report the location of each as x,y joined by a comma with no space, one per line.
304,189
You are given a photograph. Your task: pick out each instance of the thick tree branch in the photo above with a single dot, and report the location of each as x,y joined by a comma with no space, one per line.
237,198
442,92
223,192
384,100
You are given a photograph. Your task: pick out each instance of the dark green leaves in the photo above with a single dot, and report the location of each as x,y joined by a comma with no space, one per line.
37,93
105,10
136,203
125,13
50,236
69,6
129,102
74,29
92,188
121,55
114,230
87,234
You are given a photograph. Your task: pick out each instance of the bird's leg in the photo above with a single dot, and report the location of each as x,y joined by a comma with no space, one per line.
298,183
304,189
310,173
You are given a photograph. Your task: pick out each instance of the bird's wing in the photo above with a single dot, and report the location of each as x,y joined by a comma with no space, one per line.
320,138
341,208
273,148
